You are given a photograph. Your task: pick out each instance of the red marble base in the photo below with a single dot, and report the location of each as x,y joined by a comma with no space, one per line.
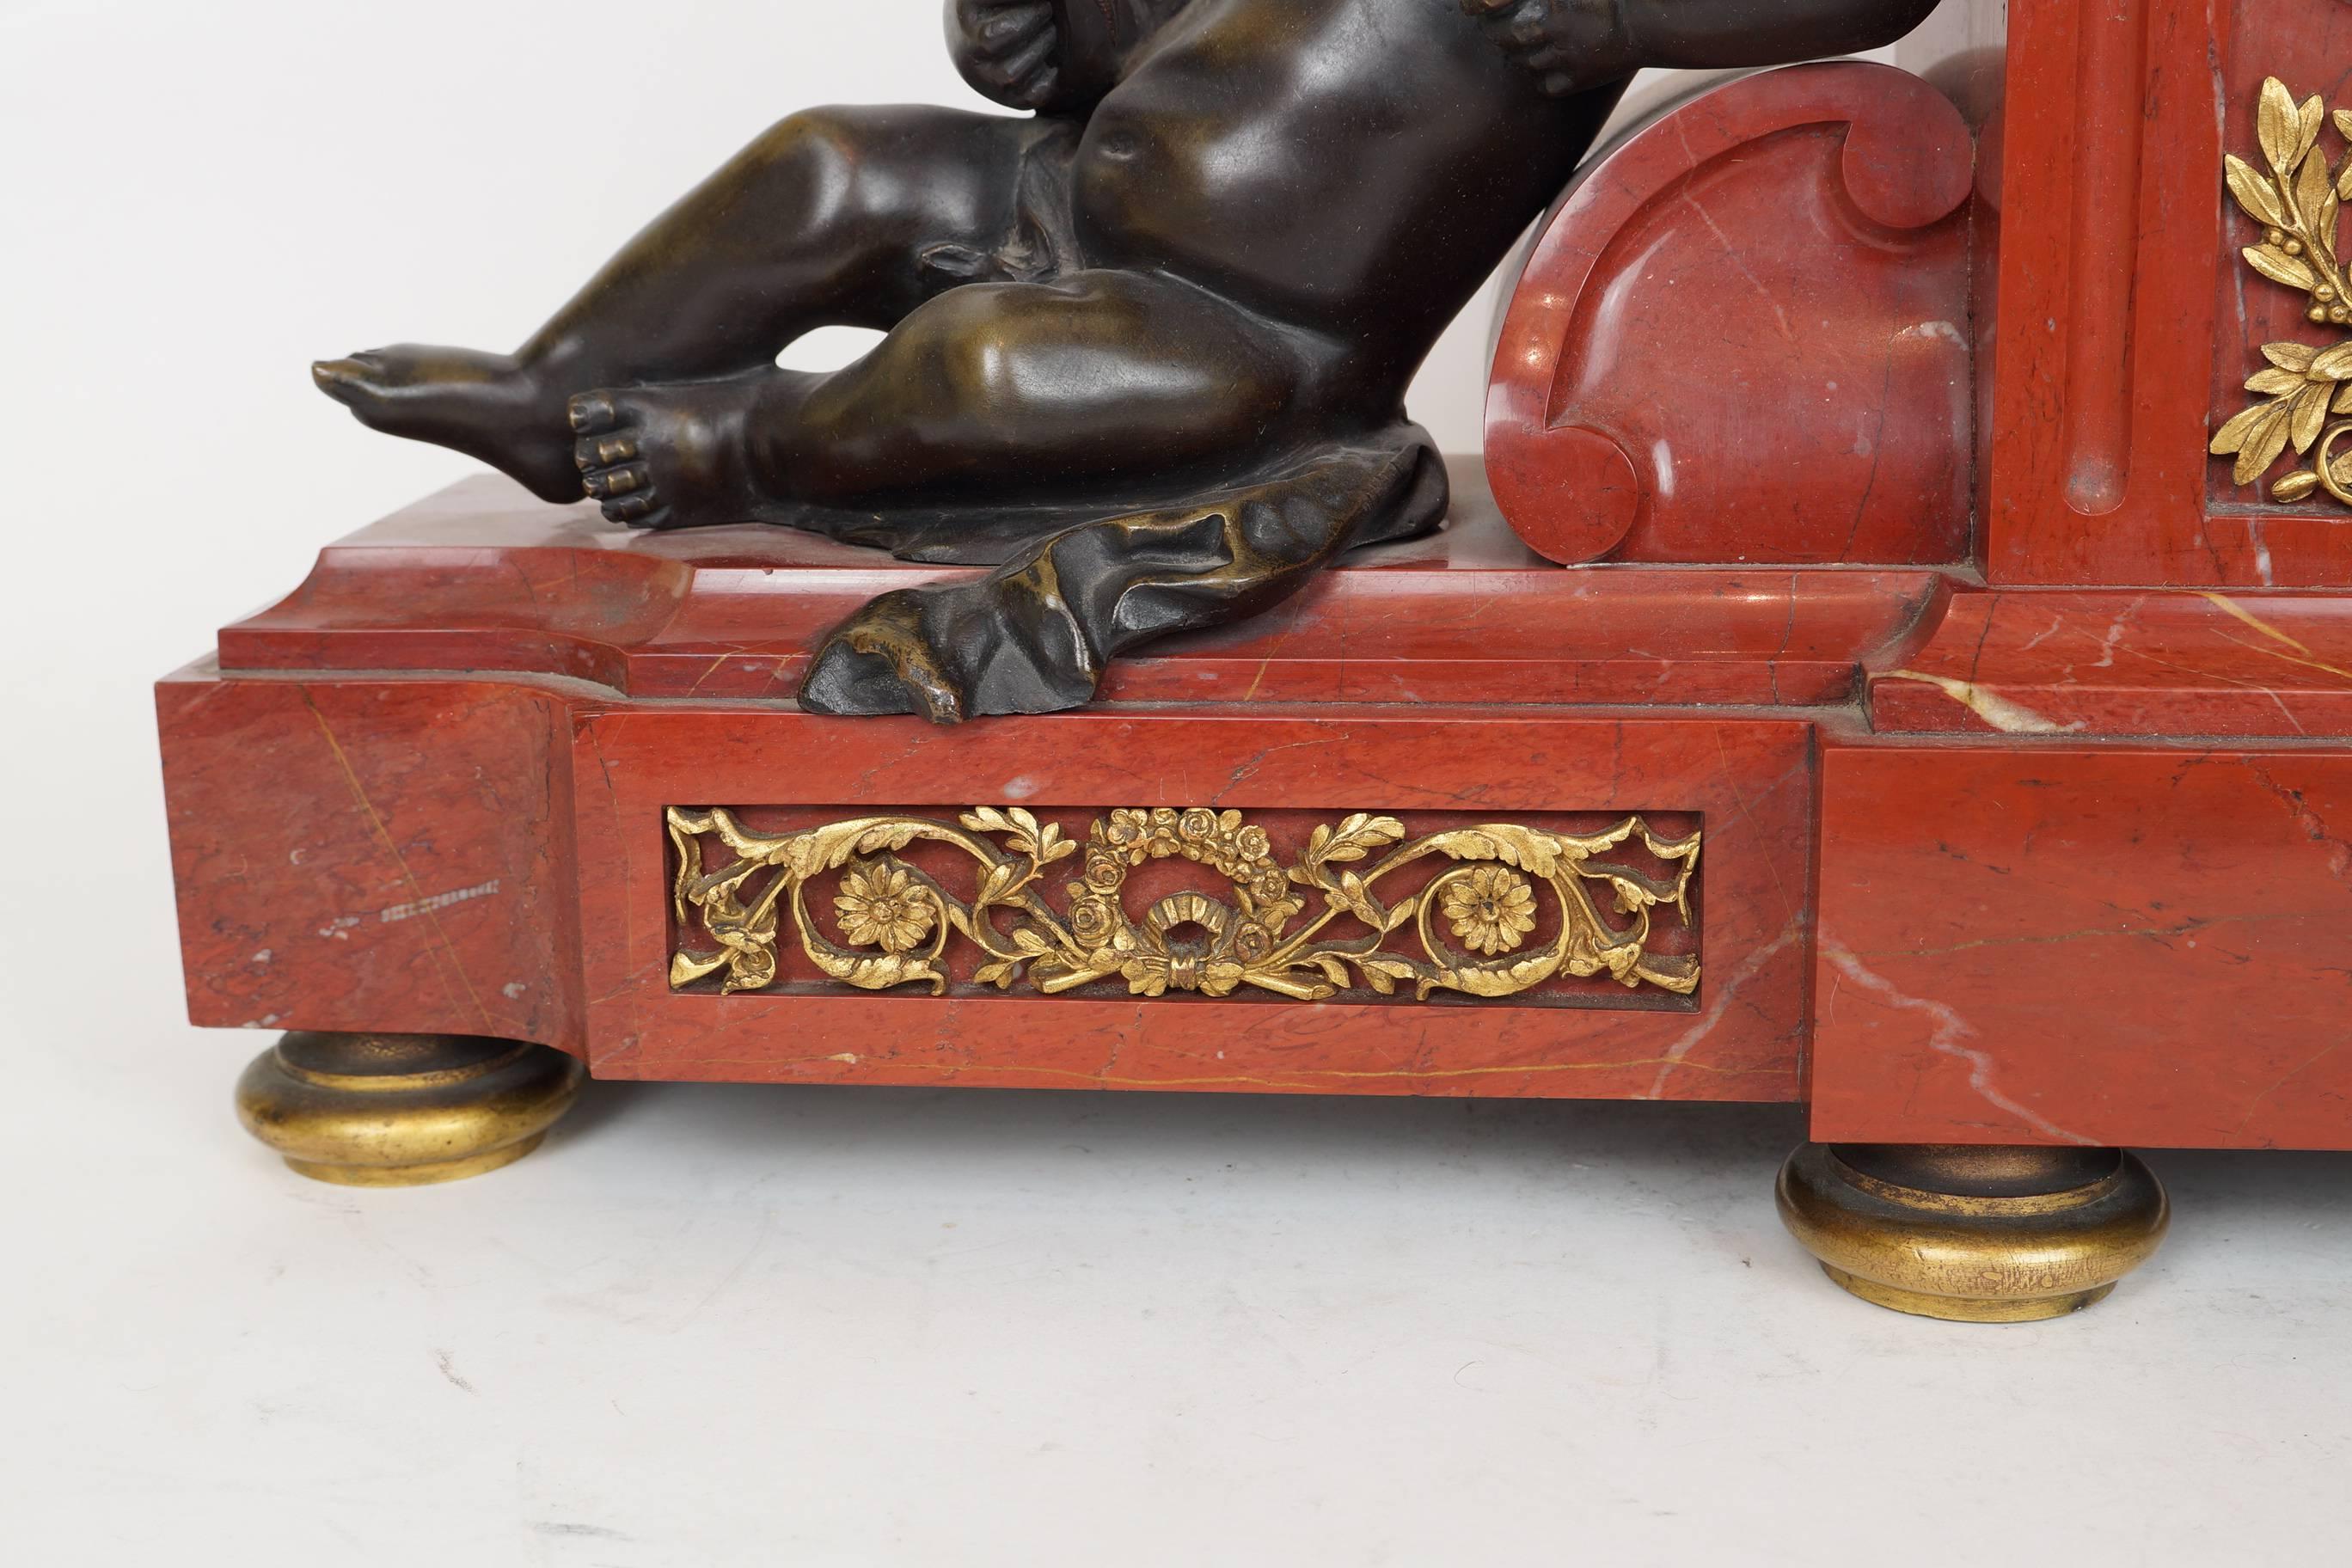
2054,941
1950,890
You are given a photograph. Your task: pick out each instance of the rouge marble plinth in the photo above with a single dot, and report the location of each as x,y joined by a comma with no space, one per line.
483,578
2117,662
449,854
1934,929
2091,943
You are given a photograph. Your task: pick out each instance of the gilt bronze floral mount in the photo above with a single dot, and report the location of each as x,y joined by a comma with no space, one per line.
2297,198
1489,912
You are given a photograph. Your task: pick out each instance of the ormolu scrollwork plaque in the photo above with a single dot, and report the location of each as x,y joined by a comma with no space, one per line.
1493,910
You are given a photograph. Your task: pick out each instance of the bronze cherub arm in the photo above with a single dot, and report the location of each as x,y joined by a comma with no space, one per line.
1574,45
1056,57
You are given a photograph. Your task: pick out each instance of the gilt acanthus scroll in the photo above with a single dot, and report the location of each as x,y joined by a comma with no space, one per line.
1509,909
2297,199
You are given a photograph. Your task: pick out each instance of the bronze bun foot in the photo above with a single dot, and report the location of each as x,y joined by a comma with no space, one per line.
403,1110
1974,1234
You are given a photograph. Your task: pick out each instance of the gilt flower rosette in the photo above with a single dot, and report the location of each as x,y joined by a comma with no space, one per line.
1505,910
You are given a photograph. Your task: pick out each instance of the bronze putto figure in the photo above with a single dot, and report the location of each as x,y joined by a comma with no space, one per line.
1146,345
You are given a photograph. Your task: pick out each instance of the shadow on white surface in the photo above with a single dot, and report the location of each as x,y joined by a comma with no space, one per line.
840,1326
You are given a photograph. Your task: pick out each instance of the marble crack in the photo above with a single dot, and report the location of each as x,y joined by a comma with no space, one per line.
2313,825
2301,653
1877,449
444,949
1311,1080
1950,1029
1731,253
2256,1103
2004,714
1771,863
2188,928
1727,993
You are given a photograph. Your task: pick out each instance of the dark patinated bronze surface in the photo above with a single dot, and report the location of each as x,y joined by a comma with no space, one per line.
1146,350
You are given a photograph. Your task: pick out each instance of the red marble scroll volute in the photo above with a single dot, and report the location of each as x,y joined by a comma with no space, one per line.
1744,335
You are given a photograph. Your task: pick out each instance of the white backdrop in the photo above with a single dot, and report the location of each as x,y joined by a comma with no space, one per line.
709,1326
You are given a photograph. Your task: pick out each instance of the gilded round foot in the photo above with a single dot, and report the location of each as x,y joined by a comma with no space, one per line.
403,1110
1976,1236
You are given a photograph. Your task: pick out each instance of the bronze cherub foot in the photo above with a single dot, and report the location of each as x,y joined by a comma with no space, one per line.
484,406
655,455
1146,352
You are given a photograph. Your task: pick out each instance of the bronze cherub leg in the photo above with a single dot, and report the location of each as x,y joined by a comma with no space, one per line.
834,217
1230,463
987,395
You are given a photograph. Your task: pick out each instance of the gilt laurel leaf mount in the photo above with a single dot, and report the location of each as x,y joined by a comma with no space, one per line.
2296,198
1275,927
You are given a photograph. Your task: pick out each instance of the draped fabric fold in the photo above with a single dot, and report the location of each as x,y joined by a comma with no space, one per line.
1035,634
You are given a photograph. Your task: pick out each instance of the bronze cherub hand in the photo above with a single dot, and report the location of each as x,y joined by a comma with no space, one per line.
1570,44
1576,45
1009,51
